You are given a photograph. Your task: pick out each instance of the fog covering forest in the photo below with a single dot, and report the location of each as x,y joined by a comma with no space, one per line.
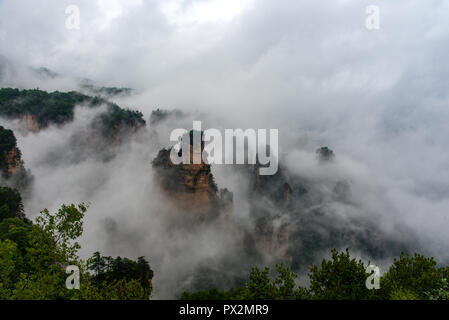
362,136
129,215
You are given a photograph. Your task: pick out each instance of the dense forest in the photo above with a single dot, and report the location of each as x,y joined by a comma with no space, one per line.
34,257
58,107
34,254
410,277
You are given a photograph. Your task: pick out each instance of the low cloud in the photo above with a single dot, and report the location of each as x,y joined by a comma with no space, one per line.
377,98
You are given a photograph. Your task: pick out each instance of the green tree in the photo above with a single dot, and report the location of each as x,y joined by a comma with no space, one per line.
10,204
65,226
441,293
124,289
33,258
258,286
340,278
108,271
10,259
415,274
8,143
403,294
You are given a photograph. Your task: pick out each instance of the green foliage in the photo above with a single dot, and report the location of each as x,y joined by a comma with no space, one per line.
115,117
35,262
17,231
415,274
158,116
123,289
7,143
403,294
108,270
285,285
441,293
64,227
107,91
7,139
10,204
33,258
340,278
43,285
10,258
58,107
259,286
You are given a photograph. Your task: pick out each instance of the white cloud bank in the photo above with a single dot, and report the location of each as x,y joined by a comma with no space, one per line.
378,98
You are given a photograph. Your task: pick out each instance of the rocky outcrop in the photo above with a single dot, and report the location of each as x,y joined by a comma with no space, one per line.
38,109
271,200
122,131
325,154
272,238
275,187
10,155
29,122
191,187
13,172
13,161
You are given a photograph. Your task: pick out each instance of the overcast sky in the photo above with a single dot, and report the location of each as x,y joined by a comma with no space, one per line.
378,97
243,53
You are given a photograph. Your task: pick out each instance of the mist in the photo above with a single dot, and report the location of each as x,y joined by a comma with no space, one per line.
378,98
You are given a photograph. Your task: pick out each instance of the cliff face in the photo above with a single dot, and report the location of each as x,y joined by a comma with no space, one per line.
13,161
10,155
13,172
38,109
29,122
190,187
272,238
121,131
271,206
274,188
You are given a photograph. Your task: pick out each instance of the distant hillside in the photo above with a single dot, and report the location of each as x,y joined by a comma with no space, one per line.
106,91
38,109
12,169
10,155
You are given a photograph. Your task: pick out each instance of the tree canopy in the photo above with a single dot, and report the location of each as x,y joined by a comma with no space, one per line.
34,257
58,107
341,278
